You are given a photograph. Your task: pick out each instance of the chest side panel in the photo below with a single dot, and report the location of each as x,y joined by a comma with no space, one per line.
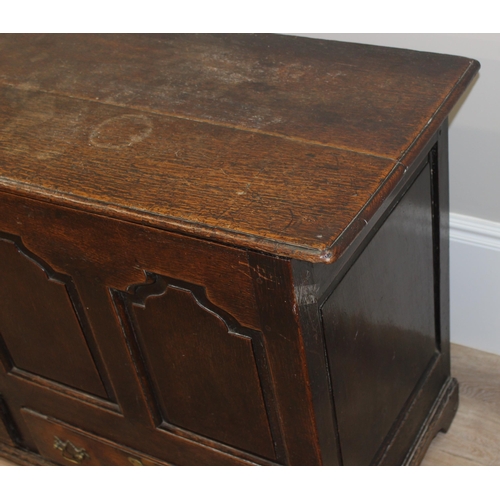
380,327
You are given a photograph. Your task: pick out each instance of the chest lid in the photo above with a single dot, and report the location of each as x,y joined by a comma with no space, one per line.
276,143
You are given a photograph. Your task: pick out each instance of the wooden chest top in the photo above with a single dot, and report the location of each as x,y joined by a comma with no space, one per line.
282,144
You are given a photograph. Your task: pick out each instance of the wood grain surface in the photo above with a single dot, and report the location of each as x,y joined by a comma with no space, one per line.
474,435
273,142
473,438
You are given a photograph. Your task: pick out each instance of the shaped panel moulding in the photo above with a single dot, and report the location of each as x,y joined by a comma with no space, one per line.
180,340
43,330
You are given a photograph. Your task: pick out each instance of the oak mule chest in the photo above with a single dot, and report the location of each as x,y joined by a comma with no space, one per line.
223,250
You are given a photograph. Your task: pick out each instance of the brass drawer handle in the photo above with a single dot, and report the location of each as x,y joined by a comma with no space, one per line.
135,461
70,452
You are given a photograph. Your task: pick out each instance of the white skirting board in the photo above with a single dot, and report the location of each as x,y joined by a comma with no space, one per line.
475,282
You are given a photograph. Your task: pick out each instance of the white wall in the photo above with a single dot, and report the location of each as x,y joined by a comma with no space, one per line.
475,283
474,182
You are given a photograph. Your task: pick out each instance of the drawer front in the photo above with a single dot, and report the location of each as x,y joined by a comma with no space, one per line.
67,445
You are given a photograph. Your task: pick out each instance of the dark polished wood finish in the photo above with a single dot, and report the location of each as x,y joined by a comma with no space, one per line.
66,445
211,135
387,327
223,250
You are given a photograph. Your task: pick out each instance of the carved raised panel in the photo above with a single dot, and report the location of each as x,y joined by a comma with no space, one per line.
200,367
41,321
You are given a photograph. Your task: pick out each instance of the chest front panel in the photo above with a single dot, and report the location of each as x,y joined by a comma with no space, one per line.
156,330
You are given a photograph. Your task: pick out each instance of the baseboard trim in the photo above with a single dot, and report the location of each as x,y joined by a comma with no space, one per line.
475,282
473,231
